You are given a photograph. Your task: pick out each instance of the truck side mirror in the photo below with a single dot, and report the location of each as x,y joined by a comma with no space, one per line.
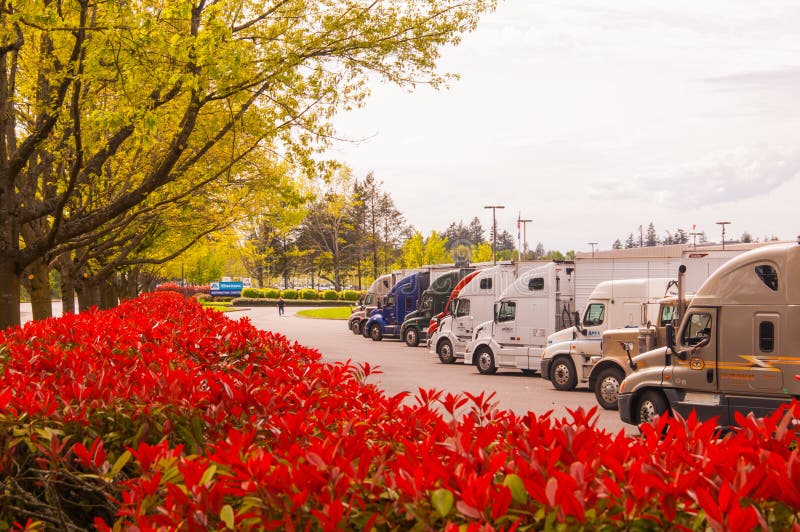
578,324
670,332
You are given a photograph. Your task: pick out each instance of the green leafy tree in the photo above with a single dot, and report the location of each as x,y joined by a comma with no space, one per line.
141,99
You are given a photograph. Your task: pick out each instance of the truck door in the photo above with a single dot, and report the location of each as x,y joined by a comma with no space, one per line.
747,379
462,320
506,330
594,322
697,374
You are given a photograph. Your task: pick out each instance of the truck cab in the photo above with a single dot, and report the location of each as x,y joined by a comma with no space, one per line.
473,305
619,346
536,305
433,326
376,291
736,349
432,302
571,353
385,321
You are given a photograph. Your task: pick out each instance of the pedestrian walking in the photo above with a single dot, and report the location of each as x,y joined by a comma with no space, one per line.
280,306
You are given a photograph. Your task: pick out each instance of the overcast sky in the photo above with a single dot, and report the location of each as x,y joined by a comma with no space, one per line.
595,117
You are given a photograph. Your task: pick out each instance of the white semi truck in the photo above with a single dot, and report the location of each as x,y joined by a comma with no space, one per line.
538,303
571,353
474,305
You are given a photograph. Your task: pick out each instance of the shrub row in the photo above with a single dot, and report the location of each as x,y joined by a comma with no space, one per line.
305,293
162,415
187,290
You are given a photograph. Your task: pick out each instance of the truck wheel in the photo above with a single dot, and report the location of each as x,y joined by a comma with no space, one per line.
563,375
445,352
355,327
375,332
486,361
411,337
607,388
650,405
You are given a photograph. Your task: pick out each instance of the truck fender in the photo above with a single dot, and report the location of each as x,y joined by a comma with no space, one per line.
475,351
600,366
671,395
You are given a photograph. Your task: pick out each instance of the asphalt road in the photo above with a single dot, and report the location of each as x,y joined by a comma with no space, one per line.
406,369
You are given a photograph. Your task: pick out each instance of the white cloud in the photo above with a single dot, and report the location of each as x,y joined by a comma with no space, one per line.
568,110
716,179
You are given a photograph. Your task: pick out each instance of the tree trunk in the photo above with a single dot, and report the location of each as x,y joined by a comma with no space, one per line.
38,285
88,294
108,294
67,292
9,293
128,285
69,281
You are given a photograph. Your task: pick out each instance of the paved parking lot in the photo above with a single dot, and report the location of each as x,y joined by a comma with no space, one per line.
407,369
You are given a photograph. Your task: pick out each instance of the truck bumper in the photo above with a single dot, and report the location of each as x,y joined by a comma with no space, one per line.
625,411
544,366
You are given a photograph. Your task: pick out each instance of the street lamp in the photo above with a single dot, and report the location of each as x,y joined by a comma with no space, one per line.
593,244
524,232
723,224
494,228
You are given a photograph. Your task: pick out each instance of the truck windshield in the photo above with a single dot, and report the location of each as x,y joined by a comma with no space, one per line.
369,299
426,304
462,307
594,315
667,313
507,312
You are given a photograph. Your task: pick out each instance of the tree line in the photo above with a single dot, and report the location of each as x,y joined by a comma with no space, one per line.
649,237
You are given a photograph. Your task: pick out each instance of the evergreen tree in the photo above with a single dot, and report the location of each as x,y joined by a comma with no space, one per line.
457,234
476,232
505,242
617,244
652,236
630,242
539,253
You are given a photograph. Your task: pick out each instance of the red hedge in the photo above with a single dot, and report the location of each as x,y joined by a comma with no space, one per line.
162,415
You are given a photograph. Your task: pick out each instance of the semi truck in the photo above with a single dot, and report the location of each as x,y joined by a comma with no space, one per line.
571,353
473,305
736,349
432,302
379,288
538,303
386,320
619,346
433,326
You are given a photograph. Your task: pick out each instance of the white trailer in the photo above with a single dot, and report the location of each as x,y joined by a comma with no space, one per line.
651,262
539,303
474,304
571,353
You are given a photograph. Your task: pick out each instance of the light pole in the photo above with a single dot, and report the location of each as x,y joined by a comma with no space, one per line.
524,233
494,228
593,244
723,224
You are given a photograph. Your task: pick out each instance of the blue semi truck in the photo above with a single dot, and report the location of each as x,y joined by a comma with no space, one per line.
386,320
